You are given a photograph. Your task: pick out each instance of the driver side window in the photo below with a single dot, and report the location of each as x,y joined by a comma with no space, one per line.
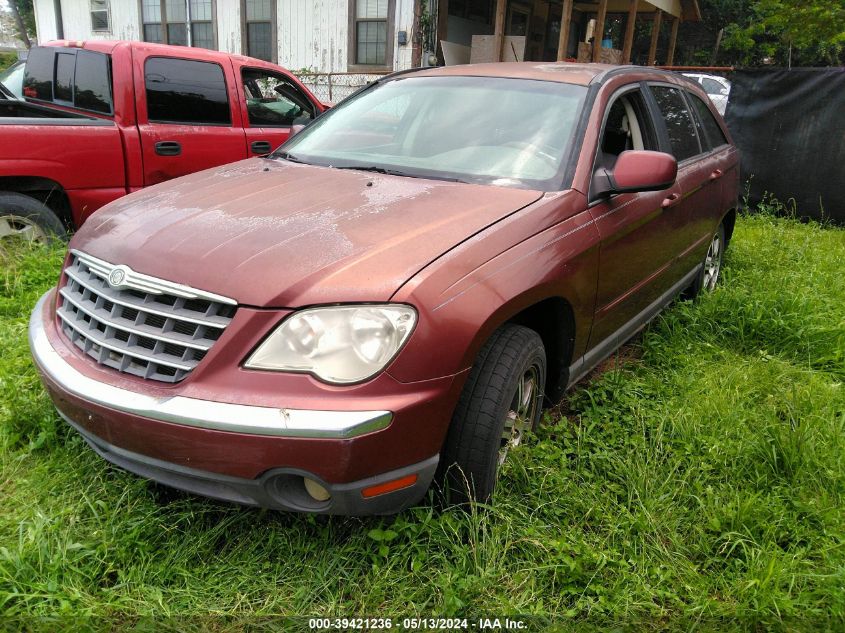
273,100
627,127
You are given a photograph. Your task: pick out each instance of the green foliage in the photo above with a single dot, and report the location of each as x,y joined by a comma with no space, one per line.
6,60
782,32
698,485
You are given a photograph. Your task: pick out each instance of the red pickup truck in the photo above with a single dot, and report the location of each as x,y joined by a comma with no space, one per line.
102,119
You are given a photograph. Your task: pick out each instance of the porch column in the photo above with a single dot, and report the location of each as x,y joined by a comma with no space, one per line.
499,30
442,21
673,38
565,21
598,32
655,32
629,32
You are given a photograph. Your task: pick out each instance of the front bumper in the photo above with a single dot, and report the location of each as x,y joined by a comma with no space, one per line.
207,414
256,455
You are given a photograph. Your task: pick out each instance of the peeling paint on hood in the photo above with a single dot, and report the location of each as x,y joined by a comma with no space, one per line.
272,233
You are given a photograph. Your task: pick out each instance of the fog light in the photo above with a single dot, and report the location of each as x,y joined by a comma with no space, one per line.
317,492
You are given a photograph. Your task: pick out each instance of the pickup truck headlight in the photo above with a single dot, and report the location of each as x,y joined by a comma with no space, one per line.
338,344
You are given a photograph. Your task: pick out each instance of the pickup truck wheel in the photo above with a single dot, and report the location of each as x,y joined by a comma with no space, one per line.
26,219
708,277
501,401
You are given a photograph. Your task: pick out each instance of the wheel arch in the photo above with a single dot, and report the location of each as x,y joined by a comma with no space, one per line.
554,320
48,192
729,220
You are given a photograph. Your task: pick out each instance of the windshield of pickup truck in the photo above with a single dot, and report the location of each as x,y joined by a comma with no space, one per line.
501,131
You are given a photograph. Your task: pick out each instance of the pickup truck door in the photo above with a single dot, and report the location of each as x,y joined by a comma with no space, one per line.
188,117
272,102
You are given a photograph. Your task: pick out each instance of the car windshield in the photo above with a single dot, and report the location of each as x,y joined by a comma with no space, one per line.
508,132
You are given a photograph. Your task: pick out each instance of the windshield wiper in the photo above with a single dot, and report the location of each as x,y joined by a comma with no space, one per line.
395,172
288,156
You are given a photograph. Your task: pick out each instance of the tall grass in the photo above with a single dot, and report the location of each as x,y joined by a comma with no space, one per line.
697,483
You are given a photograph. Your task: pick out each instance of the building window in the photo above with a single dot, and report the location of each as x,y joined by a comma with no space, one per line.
179,22
371,33
99,15
259,32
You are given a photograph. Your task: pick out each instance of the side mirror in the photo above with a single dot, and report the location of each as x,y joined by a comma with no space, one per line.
296,129
636,170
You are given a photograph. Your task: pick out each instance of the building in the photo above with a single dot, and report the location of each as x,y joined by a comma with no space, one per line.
375,36
325,36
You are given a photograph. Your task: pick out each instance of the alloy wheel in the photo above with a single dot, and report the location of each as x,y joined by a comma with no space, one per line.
522,412
15,227
713,263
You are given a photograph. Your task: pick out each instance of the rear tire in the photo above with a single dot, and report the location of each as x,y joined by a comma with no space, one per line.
711,268
26,219
501,400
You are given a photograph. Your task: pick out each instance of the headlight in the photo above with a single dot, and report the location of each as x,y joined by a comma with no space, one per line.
337,344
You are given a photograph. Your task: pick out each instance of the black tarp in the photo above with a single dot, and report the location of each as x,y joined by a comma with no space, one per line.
790,127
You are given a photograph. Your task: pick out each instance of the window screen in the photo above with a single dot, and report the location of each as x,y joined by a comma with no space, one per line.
259,29
99,15
185,91
712,130
679,123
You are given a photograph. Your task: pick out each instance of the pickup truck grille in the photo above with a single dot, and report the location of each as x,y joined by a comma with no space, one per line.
137,324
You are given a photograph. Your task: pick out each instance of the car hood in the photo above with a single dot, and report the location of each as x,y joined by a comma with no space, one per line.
271,233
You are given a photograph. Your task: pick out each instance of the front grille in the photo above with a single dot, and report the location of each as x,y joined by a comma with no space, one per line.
142,325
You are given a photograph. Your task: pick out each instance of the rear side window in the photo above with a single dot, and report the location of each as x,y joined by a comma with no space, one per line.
712,130
679,123
186,91
69,76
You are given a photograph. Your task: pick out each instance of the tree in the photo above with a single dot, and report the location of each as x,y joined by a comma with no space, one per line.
789,32
24,15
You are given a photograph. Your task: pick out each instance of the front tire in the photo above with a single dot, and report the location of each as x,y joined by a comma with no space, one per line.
25,219
501,401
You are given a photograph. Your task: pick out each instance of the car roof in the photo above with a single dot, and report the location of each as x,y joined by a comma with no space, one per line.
108,47
562,72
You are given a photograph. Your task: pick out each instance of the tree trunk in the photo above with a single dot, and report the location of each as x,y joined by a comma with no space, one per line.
19,23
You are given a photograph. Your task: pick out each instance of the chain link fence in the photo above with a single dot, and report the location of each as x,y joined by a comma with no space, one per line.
335,87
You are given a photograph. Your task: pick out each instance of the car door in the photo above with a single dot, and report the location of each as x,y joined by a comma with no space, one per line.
697,173
186,116
718,172
273,103
639,231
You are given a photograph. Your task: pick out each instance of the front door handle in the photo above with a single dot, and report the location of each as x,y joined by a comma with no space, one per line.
168,148
261,147
716,175
671,200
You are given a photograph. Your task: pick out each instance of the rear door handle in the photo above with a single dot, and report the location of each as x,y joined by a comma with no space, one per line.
671,200
168,148
261,147
716,175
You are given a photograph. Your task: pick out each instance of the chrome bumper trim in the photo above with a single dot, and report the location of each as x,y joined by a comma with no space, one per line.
206,414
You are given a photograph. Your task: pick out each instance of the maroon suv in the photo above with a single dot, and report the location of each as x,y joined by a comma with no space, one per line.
393,295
